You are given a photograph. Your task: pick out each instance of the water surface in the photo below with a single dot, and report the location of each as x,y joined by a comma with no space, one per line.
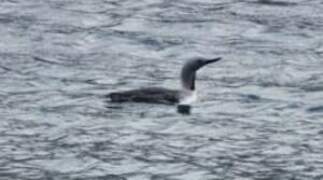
259,115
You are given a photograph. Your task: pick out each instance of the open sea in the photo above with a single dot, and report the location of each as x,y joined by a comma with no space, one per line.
260,110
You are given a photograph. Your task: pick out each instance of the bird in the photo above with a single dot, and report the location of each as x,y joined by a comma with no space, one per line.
161,95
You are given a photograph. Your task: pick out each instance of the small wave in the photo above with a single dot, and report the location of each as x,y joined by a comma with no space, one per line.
276,3
315,109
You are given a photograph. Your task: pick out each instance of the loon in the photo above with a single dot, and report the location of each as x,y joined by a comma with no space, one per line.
160,95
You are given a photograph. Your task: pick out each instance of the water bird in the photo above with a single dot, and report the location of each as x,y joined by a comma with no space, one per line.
160,95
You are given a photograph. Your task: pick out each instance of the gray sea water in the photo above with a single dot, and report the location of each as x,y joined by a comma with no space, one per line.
260,109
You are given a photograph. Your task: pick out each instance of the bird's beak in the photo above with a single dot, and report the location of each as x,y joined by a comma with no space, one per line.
212,60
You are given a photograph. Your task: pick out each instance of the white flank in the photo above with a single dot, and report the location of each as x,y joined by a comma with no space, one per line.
188,97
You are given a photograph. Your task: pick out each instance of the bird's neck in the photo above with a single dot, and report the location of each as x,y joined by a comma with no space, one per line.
188,92
188,81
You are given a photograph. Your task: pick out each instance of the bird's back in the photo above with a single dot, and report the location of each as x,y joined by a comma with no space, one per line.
146,95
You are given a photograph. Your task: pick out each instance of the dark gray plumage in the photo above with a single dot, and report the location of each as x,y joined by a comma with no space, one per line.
163,95
147,95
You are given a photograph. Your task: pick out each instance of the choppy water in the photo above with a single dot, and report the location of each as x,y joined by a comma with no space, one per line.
260,114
